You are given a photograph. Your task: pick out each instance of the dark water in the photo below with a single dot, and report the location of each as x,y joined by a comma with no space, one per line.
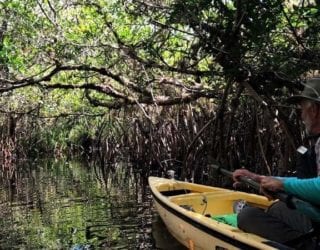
70,205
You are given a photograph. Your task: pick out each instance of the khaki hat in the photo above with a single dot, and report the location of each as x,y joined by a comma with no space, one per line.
310,92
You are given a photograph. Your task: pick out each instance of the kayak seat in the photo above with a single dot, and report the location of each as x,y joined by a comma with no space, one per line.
229,219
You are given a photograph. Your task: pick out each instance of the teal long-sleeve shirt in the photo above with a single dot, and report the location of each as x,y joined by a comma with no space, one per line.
306,189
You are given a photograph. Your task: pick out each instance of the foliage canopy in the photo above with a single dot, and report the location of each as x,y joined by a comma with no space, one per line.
120,53
81,57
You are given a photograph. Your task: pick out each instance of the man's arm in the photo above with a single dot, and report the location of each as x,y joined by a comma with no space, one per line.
307,189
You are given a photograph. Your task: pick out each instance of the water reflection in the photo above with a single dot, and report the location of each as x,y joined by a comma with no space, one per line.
69,205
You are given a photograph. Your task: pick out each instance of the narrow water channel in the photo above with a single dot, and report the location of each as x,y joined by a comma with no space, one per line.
70,205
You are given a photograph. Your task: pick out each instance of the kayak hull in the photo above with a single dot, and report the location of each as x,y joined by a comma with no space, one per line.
187,209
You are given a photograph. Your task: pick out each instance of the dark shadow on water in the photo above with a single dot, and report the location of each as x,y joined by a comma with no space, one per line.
163,239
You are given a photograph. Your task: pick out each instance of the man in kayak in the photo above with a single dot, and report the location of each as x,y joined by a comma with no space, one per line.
280,223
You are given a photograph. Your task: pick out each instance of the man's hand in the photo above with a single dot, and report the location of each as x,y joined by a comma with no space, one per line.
270,184
242,172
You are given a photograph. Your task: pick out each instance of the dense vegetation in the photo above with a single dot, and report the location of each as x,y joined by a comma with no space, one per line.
164,83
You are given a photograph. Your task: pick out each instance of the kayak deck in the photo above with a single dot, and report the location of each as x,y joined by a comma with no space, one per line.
216,203
208,200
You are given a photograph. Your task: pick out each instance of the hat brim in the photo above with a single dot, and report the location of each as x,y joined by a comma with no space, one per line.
298,98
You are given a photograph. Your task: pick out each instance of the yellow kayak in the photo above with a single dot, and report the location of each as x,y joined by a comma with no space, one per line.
204,217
